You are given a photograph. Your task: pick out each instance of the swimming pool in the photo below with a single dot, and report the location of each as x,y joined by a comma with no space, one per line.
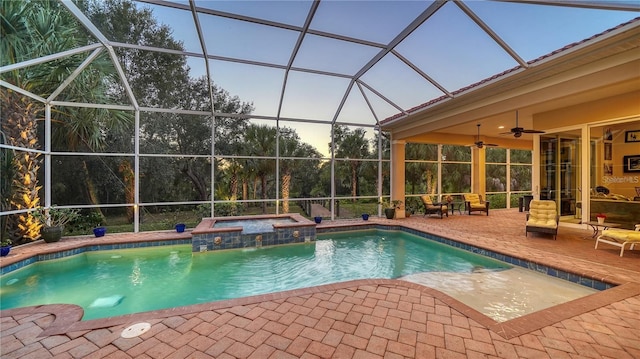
116,282
107,283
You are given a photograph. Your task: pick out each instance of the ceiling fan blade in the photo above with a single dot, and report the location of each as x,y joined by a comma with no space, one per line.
518,131
480,144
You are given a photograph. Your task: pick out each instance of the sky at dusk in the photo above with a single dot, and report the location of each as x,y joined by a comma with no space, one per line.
449,47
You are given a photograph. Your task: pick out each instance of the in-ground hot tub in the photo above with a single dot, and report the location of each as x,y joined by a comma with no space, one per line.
251,231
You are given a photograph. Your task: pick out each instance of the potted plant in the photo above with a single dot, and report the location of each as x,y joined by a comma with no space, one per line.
53,220
100,231
180,227
390,210
365,216
601,217
409,211
5,247
95,219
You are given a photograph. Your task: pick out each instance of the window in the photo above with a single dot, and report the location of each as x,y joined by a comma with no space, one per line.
508,176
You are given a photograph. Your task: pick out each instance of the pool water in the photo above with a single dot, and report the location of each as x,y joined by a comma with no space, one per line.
503,295
117,282
250,226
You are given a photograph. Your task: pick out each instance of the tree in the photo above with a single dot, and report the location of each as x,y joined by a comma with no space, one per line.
456,176
419,176
261,142
32,29
18,114
291,146
20,127
353,146
7,174
385,141
163,80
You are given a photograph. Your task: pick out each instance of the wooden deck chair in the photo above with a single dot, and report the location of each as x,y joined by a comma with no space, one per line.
430,207
542,217
473,203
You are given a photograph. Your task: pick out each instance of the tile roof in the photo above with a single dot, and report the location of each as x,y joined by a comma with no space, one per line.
504,73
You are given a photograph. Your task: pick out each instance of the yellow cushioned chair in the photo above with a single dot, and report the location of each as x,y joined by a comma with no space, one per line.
473,203
620,238
430,207
542,217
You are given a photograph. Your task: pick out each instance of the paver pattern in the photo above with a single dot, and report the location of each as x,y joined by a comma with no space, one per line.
362,319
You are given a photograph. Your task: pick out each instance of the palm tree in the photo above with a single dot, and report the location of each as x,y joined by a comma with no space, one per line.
6,179
20,128
261,142
353,146
27,33
291,146
385,140
32,29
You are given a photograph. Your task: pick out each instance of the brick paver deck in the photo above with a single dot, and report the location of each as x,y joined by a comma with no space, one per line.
365,318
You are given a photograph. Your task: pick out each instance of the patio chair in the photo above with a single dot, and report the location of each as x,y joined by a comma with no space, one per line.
430,207
542,217
620,238
473,203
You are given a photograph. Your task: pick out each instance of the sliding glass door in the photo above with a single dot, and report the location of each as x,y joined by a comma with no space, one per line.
560,175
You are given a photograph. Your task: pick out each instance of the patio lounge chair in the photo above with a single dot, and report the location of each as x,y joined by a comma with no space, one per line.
473,203
542,218
620,238
430,207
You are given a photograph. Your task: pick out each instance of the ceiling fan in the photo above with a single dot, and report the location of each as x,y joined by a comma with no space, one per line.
481,144
518,131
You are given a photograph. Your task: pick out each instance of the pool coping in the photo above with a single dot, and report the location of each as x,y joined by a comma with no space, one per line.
207,224
68,317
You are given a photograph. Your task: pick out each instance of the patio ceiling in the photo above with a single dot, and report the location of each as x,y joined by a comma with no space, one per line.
361,62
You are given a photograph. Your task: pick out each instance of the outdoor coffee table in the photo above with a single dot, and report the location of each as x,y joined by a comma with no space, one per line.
596,227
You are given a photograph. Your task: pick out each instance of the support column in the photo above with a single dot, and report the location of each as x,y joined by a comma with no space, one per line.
478,172
585,159
397,174
535,167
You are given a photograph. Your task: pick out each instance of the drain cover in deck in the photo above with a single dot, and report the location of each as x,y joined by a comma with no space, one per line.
135,330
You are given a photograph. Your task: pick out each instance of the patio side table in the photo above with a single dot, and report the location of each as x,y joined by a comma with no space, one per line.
596,227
